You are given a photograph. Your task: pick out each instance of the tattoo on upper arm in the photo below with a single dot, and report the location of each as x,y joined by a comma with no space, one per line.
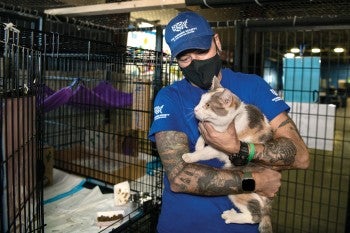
171,145
171,141
287,121
292,126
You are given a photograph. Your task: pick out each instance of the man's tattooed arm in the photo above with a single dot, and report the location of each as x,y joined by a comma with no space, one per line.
287,149
191,177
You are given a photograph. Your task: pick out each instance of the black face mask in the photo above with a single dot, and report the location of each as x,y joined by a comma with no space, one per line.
201,72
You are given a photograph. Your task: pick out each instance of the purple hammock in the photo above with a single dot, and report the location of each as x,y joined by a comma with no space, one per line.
44,92
57,99
103,95
112,96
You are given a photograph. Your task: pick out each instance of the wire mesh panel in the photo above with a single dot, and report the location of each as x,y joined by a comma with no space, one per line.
21,189
307,67
81,106
97,109
314,80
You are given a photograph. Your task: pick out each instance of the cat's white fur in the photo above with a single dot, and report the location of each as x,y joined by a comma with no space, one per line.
237,112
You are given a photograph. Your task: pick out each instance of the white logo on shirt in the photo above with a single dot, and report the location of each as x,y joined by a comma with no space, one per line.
273,92
277,98
158,111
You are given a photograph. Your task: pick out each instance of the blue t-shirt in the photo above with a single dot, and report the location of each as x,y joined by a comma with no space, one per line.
173,110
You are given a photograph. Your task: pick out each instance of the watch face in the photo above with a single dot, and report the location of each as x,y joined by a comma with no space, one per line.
248,185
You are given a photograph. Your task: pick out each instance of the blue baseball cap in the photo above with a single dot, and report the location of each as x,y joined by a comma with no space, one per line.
188,30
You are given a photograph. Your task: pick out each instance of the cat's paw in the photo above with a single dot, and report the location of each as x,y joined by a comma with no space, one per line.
229,216
187,158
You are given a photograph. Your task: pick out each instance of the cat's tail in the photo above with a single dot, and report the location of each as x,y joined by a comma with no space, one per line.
265,225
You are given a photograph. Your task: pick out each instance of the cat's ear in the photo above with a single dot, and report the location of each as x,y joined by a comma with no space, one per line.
215,83
226,97
230,99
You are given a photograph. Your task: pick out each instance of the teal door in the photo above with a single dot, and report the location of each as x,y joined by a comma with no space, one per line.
301,79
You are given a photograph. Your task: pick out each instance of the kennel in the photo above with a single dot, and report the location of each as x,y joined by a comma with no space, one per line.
21,189
97,119
80,106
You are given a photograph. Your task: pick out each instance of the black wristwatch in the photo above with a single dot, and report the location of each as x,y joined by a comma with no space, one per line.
248,182
240,158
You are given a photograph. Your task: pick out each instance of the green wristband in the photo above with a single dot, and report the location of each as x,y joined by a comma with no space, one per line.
251,151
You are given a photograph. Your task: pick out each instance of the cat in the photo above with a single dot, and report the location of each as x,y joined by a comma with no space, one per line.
220,107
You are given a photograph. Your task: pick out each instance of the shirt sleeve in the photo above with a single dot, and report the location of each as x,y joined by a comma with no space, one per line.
268,100
167,115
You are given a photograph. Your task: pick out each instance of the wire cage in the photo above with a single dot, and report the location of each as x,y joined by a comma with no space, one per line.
21,189
91,103
97,119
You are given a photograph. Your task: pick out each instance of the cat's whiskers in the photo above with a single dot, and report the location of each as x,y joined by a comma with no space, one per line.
190,113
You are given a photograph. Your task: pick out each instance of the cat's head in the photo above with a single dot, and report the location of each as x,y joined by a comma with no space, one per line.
218,105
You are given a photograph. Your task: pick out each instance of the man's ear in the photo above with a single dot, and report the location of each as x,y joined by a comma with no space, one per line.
217,42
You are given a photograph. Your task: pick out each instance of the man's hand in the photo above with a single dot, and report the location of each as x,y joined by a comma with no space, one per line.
227,141
267,182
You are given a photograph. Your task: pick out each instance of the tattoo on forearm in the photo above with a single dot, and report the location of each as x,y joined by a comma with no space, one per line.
211,182
192,177
280,151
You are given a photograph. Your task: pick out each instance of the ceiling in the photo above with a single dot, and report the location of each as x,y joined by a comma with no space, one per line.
222,10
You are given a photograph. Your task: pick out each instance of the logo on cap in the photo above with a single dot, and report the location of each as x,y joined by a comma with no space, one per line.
179,26
182,29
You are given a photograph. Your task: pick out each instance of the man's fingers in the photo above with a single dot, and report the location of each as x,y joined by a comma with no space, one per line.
201,127
205,127
231,127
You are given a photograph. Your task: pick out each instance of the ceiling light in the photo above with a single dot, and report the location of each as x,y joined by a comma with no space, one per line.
315,50
289,55
338,50
295,50
145,25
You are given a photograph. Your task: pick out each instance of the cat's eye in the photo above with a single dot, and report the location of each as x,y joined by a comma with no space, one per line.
207,105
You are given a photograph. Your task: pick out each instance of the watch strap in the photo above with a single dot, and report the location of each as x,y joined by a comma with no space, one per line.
247,175
242,157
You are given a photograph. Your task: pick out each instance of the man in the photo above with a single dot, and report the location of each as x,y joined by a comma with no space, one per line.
195,195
